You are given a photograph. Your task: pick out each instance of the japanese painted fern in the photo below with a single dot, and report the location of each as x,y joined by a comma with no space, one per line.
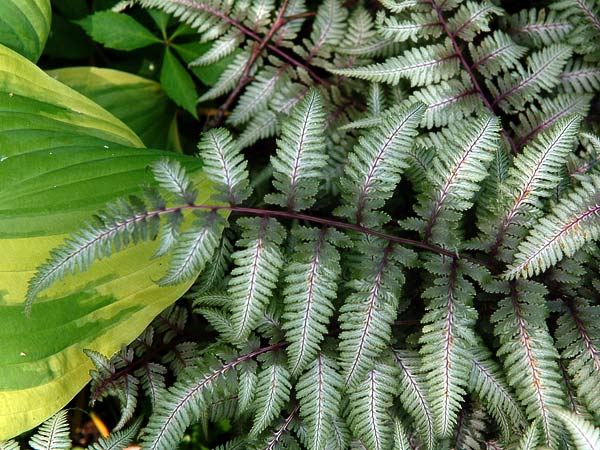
426,275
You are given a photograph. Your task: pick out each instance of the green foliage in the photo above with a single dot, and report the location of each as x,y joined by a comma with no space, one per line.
426,277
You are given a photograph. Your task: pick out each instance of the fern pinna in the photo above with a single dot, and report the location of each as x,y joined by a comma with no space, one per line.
422,279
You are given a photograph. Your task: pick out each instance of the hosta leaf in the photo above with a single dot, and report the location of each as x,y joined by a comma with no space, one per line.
139,102
25,25
52,179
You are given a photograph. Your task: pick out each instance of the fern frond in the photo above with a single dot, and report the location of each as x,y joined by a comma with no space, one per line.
420,25
309,294
185,401
300,158
579,338
472,425
53,434
458,170
529,355
544,69
272,391
194,248
414,395
446,340
10,445
471,18
368,407
172,177
328,28
535,120
152,379
258,263
401,441
118,440
225,165
228,78
360,30
584,434
221,48
487,382
447,102
495,53
120,225
580,77
421,66
257,94
540,27
377,161
319,392
531,437
535,173
572,223
367,315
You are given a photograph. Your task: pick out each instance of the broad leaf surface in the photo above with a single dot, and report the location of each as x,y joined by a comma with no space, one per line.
139,102
25,25
62,157
118,31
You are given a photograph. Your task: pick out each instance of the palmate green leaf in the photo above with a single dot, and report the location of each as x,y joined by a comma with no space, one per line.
140,103
177,83
118,31
53,434
584,434
301,155
53,178
25,26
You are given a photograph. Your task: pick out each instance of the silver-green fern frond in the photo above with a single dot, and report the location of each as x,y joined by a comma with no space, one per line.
301,157
53,434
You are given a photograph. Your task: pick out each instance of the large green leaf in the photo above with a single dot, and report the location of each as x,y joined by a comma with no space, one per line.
141,103
25,25
62,157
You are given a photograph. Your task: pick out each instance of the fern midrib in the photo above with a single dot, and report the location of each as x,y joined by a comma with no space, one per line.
373,409
249,297
310,298
425,411
531,362
531,78
199,386
547,122
299,152
448,334
588,13
492,55
527,190
575,221
286,423
379,158
224,168
369,315
441,197
589,344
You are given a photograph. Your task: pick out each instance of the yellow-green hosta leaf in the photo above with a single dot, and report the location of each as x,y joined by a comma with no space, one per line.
139,102
25,25
63,157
